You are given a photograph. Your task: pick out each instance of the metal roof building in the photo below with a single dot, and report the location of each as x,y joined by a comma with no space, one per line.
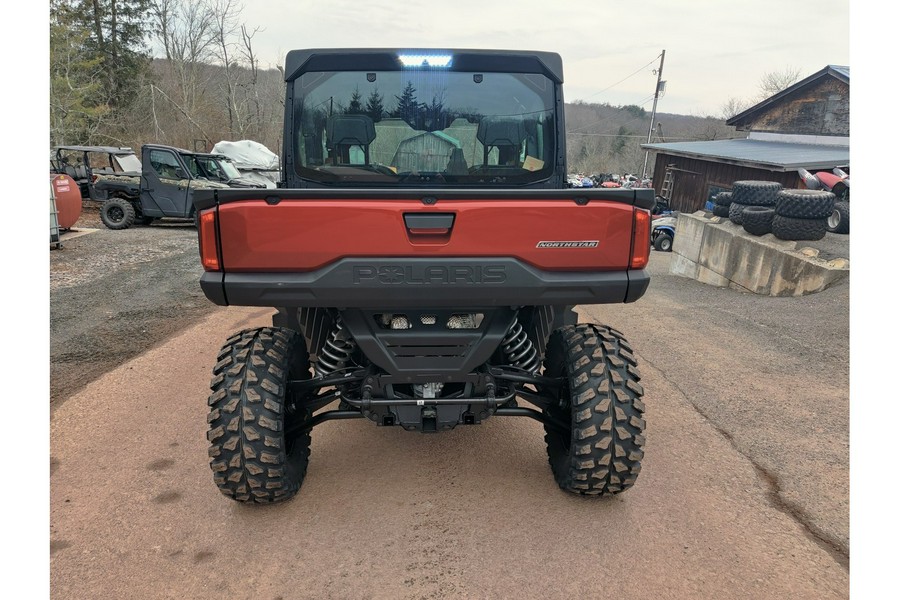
774,156
804,126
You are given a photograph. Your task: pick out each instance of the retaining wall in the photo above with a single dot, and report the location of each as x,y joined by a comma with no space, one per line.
717,252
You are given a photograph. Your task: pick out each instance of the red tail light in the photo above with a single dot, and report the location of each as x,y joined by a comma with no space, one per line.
640,239
209,251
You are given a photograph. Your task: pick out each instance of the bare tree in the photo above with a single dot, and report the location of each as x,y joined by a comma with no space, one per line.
733,106
253,66
187,31
226,14
775,81
163,12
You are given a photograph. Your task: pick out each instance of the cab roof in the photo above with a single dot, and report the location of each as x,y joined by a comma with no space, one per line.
104,149
387,59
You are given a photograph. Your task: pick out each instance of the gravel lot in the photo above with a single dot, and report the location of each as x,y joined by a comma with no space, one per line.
115,294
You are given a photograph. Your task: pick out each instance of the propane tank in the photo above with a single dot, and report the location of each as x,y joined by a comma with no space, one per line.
68,200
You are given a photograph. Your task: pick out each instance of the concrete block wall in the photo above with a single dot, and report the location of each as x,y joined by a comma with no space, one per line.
717,252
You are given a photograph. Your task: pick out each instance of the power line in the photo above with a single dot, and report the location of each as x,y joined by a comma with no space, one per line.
627,78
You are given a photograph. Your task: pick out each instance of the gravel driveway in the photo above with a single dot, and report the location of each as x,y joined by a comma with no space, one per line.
115,294
743,492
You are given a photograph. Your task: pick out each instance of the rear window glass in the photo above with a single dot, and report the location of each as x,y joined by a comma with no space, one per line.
424,127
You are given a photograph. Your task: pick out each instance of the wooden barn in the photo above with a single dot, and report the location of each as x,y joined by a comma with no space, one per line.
804,126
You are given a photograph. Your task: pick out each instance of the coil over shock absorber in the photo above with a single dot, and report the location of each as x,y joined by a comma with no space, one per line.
519,350
336,350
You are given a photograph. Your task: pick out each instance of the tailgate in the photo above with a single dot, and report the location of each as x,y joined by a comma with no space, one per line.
299,230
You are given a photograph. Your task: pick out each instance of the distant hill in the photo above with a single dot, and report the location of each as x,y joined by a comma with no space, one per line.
601,138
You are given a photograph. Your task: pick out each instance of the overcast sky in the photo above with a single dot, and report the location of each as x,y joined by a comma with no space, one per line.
715,49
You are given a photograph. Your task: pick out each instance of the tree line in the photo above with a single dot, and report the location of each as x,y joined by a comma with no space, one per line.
181,72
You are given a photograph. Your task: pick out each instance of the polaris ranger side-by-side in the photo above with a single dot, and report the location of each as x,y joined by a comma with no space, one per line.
164,187
424,255
218,167
84,164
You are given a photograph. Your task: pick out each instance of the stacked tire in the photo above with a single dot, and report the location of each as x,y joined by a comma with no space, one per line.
802,214
744,194
721,203
757,220
839,221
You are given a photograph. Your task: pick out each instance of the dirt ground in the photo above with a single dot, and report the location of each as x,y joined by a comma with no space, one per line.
744,491
114,294
384,513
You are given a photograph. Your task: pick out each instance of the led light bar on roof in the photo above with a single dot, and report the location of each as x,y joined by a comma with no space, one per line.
425,60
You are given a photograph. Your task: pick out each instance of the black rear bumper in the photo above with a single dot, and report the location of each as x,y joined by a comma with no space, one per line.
425,282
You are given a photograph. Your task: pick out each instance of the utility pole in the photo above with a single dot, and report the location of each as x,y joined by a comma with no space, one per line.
660,85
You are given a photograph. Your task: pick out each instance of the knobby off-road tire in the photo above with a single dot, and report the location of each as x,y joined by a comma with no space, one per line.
117,213
723,199
839,219
251,457
720,210
805,204
757,220
600,451
663,242
735,212
789,228
755,193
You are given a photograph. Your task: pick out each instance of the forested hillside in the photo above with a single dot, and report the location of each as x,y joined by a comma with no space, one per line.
202,82
607,139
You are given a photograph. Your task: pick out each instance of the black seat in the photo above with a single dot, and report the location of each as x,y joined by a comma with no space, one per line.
344,131
504,134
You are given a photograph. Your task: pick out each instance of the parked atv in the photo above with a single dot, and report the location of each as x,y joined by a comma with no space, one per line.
662,233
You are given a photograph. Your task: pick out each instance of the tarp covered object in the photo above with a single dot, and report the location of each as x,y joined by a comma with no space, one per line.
267,178
248,154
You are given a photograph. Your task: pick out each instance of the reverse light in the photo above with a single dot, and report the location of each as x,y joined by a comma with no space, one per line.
425,60
640,239
209,252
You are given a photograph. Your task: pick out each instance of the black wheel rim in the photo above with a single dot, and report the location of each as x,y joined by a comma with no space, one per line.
115,214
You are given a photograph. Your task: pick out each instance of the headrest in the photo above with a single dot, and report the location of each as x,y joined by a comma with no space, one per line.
349,130
494,131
